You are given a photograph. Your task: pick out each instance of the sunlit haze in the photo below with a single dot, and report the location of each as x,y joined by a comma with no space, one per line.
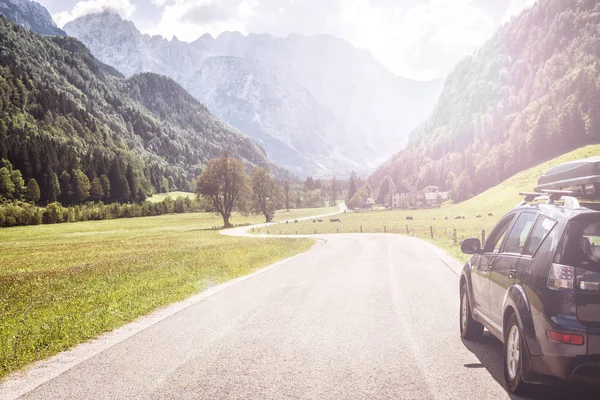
418,39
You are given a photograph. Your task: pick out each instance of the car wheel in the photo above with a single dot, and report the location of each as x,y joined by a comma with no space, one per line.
469,328
514,353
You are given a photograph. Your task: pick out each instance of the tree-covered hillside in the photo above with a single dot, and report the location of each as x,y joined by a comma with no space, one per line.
62,112
530,93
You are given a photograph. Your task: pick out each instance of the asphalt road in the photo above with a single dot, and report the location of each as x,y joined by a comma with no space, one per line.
357,317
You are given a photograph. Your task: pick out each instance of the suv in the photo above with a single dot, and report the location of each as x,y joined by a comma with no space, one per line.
535,285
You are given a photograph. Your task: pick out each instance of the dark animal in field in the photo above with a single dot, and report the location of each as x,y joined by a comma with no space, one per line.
335,220
446,218
287,222
295,221
314,220
463,217
434,219
458,217
320,220
490,214
409,218
478,215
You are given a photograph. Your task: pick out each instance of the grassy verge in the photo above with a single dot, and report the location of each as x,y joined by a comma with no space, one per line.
64,284
447,233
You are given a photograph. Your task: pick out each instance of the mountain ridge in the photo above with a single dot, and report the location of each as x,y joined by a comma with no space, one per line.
348,90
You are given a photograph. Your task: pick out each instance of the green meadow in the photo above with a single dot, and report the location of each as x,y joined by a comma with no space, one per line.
67,283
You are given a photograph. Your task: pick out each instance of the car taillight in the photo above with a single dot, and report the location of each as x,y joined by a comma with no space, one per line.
564,338
561,277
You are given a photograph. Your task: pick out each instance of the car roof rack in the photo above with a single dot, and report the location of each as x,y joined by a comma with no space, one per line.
551,196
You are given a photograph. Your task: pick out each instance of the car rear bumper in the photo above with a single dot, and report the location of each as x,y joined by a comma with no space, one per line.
585,369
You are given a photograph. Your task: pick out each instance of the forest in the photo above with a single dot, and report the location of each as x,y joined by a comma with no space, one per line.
532,92
82,132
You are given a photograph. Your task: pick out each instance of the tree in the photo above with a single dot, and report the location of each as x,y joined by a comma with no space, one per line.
96,190
334,190
7,187
352,186
105,182
355,202
53,188
65,187
33,191
224,183
462,188
286,189
81,186
19,183
266,193
385,191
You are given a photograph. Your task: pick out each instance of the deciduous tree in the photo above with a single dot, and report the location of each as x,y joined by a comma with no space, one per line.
266,194
224,183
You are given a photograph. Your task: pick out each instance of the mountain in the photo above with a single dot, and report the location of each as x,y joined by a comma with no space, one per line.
62,112
31,15
531,93
287,121
331,108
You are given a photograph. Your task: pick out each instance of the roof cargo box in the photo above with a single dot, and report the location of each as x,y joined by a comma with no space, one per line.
581,177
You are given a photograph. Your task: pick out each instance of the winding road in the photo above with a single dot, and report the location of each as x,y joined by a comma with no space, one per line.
357,317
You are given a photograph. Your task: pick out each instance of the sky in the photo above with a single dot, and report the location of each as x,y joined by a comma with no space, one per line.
416,39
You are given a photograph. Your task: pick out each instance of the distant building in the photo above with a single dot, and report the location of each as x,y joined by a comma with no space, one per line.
369,202
406,197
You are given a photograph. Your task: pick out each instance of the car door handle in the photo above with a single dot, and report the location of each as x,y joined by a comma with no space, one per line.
512,272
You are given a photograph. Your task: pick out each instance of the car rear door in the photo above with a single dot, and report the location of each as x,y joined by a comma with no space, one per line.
480,273
504,269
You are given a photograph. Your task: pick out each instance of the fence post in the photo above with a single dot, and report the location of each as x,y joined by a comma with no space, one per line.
482,237
267,231
361,229
407,232
338,230
384,229
431,230
454,239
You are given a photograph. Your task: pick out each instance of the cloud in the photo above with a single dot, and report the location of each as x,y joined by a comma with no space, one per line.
421,39
124,7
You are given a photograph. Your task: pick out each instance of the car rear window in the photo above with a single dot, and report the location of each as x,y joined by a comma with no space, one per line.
581,244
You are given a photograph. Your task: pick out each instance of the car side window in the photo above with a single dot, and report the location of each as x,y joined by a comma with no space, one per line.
496,237
515,242
542,227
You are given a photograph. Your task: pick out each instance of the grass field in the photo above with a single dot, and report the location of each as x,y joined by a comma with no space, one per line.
63,284
497,200
161,196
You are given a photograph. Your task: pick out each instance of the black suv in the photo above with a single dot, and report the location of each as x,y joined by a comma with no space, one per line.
535,285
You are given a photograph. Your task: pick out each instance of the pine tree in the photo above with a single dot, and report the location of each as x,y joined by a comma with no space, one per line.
105,186
81,186
65,188
33,191
96,190
53,188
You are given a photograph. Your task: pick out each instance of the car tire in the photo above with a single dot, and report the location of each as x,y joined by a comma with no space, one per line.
469,328
514,352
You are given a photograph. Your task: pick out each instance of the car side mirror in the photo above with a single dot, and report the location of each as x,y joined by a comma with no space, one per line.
471,246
